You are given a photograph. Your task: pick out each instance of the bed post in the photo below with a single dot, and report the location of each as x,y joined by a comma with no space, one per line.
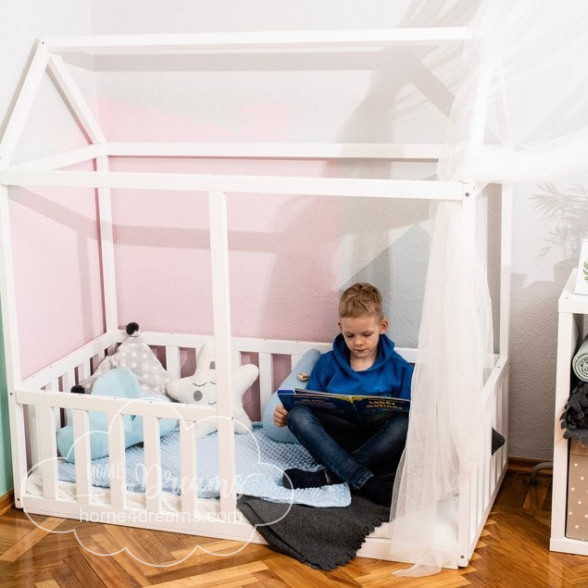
11,349
106,240
219,255
8,145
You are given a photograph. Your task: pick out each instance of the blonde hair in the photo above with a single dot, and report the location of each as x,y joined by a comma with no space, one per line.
361,299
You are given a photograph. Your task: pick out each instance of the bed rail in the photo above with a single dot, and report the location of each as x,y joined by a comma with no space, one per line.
44,398
480,484
43,408
44,402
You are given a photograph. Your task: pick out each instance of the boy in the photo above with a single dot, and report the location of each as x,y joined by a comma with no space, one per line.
362,361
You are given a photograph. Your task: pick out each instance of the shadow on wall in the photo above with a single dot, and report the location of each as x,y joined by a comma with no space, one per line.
400,273
56,250
534,319
533,364
567,212
401,91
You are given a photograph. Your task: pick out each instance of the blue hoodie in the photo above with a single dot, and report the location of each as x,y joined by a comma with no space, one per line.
389,376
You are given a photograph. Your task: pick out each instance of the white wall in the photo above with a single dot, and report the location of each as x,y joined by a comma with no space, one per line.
22,23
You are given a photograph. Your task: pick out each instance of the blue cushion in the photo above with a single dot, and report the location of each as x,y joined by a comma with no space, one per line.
304,366
121,383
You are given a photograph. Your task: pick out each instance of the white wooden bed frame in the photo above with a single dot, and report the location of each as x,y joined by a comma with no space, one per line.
38,399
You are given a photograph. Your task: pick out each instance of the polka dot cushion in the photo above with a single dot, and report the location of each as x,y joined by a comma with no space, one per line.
133,353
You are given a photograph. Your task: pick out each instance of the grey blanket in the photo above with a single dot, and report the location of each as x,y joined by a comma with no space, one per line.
574,419
323,538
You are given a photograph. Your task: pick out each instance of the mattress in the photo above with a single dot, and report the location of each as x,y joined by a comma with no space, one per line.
259,466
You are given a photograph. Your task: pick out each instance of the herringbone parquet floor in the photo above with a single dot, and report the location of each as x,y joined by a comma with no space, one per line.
512,553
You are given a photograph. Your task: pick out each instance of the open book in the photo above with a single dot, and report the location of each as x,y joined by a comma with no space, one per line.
364,410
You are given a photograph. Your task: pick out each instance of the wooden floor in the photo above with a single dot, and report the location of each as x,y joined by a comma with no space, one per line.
512,552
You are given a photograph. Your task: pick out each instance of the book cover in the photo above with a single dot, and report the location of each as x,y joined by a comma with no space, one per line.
364,410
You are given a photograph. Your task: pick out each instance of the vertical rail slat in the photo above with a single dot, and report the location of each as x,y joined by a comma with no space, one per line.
97,360
34,434
266,378
172,362
153,497
68,380
53,386
117,461
48,450
83,457
189,472
84,371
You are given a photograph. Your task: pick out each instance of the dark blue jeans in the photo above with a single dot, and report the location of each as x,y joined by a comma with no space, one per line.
348,452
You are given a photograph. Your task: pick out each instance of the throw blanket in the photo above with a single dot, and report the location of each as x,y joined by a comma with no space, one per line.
580,361
259,466
322,538
574,419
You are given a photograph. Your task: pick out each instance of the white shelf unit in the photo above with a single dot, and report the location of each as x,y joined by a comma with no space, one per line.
572,309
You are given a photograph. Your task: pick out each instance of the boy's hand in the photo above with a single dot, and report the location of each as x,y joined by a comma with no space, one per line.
280,416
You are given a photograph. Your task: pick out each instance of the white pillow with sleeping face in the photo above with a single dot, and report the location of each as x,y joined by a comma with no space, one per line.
200,388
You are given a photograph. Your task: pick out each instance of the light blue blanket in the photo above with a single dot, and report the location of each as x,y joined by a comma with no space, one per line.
580,361
260,463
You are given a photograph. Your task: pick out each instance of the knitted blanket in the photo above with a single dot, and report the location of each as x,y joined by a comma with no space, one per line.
574,419
322,538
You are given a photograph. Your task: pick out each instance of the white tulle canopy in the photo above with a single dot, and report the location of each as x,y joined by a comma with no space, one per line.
520,114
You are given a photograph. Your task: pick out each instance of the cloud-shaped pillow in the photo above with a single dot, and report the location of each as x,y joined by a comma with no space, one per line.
200,388
294,380
120,383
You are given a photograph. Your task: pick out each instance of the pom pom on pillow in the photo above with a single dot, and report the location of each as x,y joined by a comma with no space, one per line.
200,388
304,366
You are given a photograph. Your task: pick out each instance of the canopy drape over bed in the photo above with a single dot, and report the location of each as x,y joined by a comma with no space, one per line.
520,114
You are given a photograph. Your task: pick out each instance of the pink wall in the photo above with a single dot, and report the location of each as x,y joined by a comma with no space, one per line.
283,247
56,272
283,266
282,257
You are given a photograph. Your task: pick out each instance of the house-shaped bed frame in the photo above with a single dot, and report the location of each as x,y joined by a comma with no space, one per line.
40,399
